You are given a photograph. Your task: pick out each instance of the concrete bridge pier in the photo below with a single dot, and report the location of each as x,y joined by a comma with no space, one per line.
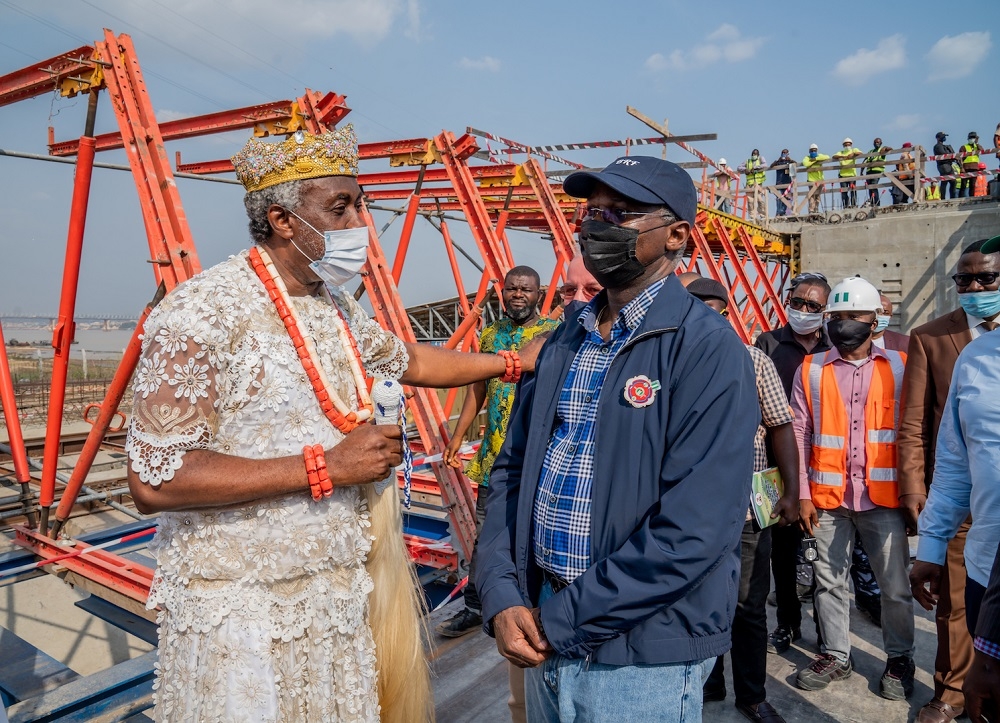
908,252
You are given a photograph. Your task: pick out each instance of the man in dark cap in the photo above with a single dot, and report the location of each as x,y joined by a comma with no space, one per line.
604,573
749,653
946,167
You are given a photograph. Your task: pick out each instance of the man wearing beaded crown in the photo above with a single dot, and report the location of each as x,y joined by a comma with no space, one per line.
280,569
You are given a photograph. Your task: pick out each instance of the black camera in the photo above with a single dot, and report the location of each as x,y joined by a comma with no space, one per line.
809,551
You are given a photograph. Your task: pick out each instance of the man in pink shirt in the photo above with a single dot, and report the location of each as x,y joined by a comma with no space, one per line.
846,403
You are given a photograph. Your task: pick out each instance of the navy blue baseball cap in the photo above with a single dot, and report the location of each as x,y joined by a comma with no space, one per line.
643,179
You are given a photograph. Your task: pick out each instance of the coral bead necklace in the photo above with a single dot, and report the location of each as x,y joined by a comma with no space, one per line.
335,409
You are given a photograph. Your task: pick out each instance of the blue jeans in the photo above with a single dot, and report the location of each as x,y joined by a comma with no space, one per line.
564,690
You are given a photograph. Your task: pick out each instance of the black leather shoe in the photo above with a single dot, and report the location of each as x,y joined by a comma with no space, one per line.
871,606
712,695
781,639
763,712
462,622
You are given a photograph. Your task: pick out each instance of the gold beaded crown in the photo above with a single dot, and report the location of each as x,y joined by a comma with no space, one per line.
298,157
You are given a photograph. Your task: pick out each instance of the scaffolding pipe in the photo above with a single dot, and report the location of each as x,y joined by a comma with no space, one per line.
87,490
18,452
62,337
109,408
91,496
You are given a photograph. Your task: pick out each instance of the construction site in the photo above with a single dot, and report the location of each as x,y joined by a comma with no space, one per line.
76,640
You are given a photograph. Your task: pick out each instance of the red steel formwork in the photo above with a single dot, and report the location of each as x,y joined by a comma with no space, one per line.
437,176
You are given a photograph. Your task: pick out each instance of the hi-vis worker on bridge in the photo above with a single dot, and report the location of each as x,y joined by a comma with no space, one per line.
848,190
814,164
754,167
970,165
846,404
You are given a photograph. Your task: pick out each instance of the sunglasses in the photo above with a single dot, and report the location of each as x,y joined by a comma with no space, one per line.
984,278
616,216
799,303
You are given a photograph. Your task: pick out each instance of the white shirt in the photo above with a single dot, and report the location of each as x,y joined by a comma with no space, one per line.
974,322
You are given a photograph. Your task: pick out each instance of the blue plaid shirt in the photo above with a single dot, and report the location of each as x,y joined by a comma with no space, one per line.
562,501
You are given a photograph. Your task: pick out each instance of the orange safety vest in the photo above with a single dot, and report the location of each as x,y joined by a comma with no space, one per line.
828,459
979,189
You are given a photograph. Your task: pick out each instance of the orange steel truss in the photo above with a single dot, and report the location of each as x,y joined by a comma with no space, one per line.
430,175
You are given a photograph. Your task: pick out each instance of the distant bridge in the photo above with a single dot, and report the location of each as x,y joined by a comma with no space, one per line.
42,321
434,322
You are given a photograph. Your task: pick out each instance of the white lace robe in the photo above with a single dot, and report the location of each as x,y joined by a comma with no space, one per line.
264,606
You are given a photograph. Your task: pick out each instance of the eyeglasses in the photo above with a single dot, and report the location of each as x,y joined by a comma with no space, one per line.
984,278
798,303
613,215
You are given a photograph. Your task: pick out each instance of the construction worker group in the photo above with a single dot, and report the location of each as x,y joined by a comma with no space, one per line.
961,173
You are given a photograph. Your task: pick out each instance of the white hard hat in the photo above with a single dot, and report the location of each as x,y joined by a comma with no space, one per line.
854,294
813,147
722,161
846,141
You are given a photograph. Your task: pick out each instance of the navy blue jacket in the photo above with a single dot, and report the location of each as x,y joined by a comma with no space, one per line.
670,493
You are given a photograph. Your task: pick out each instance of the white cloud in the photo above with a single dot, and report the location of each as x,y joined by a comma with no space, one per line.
856,69
904,122
232,33
956,56
487,62
165,115
725,43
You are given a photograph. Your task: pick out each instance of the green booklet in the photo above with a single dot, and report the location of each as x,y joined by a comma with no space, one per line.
767,489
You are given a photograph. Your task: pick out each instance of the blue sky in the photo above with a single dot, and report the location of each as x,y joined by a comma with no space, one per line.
759,74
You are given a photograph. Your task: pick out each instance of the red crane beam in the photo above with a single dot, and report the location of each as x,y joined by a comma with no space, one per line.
41,77
282,116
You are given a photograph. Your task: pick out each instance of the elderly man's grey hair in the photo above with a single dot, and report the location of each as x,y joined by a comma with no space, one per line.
287,195
669,218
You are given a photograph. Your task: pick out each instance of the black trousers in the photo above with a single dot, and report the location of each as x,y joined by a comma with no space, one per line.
785,543
471,593
974,594
749,651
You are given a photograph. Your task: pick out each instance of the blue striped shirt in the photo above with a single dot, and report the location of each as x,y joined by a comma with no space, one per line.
562,500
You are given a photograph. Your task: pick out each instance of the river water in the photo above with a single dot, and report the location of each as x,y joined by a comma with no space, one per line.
99,344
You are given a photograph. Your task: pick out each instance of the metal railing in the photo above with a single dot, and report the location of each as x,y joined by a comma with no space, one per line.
863,191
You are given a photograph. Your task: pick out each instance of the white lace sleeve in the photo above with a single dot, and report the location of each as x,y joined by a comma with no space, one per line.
382,353
176,390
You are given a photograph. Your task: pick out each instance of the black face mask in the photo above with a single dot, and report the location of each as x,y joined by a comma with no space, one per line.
847,334
609,253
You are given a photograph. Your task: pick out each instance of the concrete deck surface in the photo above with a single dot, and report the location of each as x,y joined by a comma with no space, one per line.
471,678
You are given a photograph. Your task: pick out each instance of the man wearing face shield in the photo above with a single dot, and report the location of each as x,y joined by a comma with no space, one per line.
846,403
609,555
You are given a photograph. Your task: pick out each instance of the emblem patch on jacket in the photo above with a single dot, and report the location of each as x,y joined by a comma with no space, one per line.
640,391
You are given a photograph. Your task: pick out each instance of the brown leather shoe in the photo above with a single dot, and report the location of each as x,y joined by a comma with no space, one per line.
937,711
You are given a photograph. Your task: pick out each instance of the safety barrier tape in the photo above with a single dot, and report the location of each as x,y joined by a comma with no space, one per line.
521,146
78,552
960,154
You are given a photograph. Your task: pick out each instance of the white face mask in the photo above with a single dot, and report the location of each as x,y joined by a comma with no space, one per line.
344,256
883,322
802,322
